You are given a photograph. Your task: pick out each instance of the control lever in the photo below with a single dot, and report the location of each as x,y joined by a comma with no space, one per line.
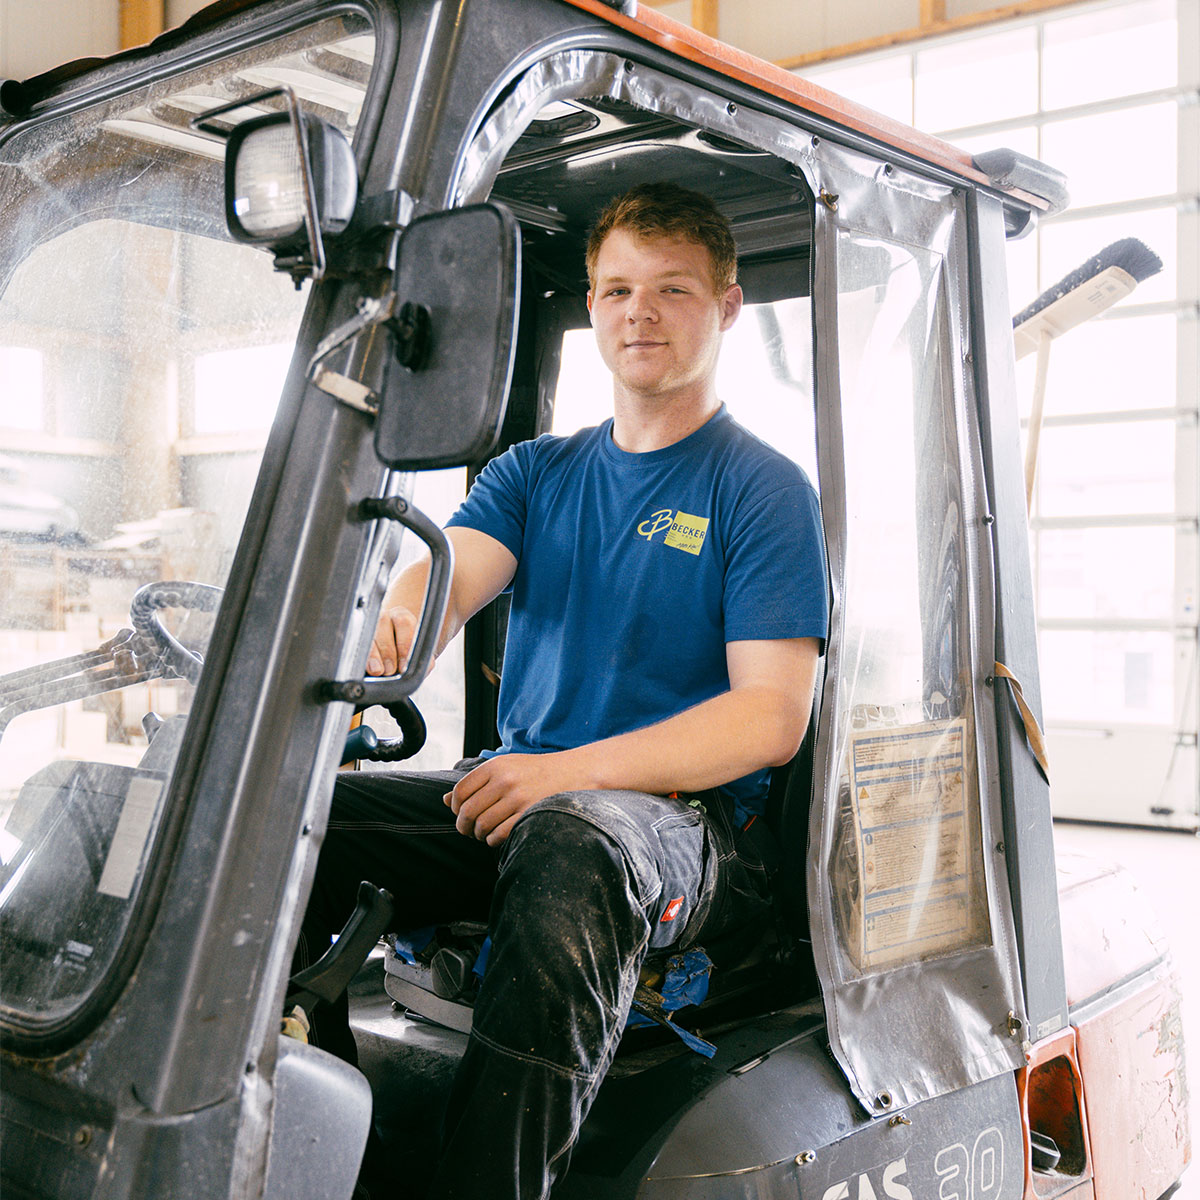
330,975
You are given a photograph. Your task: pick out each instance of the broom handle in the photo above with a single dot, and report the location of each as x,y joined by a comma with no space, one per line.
1035,416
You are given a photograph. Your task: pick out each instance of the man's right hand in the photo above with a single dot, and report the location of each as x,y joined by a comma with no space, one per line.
392,642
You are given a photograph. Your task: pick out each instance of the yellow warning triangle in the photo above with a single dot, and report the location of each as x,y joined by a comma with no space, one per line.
862,795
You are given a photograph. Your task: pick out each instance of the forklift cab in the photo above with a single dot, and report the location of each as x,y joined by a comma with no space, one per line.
248,385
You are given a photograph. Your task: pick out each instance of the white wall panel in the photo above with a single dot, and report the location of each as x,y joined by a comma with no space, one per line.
775,29
36,35
851,20
680,10
178,11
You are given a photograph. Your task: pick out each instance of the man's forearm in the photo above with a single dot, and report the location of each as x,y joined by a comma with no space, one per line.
407,591
715,742
758,723
482,568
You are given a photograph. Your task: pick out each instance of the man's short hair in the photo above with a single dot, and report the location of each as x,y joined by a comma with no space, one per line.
668,210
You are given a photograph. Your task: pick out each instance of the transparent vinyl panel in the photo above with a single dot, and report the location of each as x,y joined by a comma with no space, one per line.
906,876
142,357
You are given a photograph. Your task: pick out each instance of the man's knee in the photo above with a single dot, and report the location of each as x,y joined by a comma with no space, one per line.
567,913
555,842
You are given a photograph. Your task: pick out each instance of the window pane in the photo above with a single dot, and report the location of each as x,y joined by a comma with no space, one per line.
583,396
124,281
1066,245
1108,677
22,402
1021,258
765,374
1118,51
884,84
1107,469
984,79
1106,366
1116,155
238,390
1106,573
1024,140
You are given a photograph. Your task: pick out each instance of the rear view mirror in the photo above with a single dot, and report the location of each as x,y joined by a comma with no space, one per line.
457,297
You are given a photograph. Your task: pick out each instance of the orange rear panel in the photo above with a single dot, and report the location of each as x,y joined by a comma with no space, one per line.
1124,998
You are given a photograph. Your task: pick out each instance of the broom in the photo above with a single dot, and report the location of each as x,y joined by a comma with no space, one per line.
1087,291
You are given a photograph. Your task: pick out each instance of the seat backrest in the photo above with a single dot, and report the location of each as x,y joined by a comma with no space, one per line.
788,805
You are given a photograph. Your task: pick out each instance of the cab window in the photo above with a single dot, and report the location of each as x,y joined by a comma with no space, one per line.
142,356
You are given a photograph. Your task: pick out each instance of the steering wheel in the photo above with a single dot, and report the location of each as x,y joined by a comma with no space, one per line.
144,614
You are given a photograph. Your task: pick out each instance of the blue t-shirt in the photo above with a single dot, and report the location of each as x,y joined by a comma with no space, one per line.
634,570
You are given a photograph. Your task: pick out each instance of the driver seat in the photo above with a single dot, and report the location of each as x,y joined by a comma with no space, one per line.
436,979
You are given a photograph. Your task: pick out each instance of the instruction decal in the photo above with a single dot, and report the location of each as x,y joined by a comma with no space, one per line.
909,802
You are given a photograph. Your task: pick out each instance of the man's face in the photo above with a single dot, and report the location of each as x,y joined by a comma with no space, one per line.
657,317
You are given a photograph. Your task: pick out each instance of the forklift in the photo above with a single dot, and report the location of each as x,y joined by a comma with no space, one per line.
273,290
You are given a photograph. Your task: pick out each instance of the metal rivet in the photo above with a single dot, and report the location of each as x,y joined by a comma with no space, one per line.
816,141
731,108
306,831
888,169
806,1156
999,847
989,519
629,64
83,1135
883,1100
989,681
1014,1024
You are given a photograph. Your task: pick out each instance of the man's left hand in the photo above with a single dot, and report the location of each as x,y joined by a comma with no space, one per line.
488,800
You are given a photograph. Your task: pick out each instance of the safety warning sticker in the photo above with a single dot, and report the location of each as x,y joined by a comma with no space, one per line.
912,832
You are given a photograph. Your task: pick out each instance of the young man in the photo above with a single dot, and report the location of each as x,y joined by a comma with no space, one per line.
668,609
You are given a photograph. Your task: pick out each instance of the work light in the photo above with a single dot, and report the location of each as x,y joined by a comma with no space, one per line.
284,173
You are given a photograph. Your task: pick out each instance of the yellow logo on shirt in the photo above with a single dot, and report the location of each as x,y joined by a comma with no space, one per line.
683,530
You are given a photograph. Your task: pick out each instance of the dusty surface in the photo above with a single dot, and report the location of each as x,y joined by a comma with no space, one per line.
1166,867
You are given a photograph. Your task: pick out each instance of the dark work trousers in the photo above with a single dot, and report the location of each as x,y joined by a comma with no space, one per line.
587,884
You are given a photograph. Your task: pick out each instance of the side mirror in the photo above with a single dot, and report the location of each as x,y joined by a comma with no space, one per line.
457,292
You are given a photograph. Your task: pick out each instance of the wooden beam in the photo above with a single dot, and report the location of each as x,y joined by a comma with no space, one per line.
141,21
706,17
932,11
936,25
